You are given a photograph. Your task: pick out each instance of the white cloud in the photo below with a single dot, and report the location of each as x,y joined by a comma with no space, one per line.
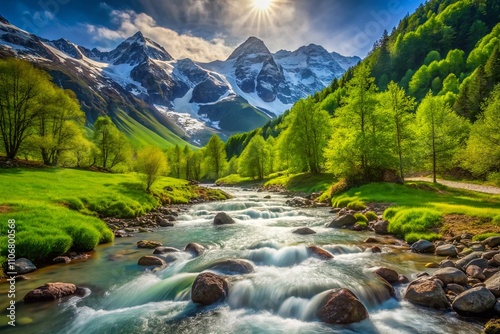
178,45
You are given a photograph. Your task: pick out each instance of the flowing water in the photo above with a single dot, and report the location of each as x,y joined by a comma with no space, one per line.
281,296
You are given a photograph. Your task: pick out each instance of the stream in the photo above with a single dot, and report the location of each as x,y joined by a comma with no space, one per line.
281,296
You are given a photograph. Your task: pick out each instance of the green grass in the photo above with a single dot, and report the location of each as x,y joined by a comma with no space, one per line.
418,207
303,182
56,209
484,236
235,179
360,218
371,216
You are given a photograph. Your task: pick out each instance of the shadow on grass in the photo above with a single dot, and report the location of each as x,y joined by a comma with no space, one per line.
22,170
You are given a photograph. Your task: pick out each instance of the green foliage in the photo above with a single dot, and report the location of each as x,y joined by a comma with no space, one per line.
113,148
414,220
484,236
371,216
302,182
361,218
356,205
151,163
215,157
416,236
255,161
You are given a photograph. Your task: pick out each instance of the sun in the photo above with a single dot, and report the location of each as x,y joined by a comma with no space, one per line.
262,5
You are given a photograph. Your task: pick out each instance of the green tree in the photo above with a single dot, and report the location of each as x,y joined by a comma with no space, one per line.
188,155
400,107
307,134
356,149
215,157
151,164
482,155
255,159
441,132
113,148
21,87
176,161
197,163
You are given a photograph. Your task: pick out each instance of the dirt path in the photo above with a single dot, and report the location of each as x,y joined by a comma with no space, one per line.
461,185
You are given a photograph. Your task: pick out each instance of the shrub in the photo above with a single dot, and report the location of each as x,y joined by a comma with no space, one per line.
413,220
341,202
360,218
416,236
484,236
362,223
38,248
356,205
85,238
391,212
371,216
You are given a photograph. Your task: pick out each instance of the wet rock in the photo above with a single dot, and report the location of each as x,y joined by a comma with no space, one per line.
61,259
473,302
166,223
447,264
403,279
388,274
426,292
371,240
209,288
475,272
165,250
376,249
50,291
299,202
359,227
446,250
489,272
493,284
489,255
223,218
149,260
456,288
341,306
477,247
23,266
320,252
423,246
481,263
304,231
381,227
194,248
432,265
460,264
492,242
148,244
495,261
496,308
451,275
343,221
233,266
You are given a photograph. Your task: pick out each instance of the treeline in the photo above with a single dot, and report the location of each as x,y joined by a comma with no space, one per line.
422,101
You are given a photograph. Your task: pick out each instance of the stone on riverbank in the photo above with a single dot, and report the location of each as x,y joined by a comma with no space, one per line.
423,246
446,250
492,242
223,218
427,292
347,220
50,291
493,284
451,275
341,306
209,288
381,227
23,266
474,302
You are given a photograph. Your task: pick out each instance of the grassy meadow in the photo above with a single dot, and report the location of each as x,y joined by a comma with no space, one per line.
57,210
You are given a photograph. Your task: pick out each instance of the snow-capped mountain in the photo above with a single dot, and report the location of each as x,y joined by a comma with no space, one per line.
191,99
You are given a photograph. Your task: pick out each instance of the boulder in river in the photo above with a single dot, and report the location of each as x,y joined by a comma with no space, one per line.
343,221
304,231
51,291
341,306
194,248
423,246
165,250
451,275
223,218
474,302
320,252
233,266
149,261
23,266
446,250
388,274
148,244
209,288
426,292
381,227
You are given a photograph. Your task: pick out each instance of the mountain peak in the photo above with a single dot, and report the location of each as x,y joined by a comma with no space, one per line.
4,20
252,45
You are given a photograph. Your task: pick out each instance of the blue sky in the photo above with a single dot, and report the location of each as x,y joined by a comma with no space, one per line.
210,29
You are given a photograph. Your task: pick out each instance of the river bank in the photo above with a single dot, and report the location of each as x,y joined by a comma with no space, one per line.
277,297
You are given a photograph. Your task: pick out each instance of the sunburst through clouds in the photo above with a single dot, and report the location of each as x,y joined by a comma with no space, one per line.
262,14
